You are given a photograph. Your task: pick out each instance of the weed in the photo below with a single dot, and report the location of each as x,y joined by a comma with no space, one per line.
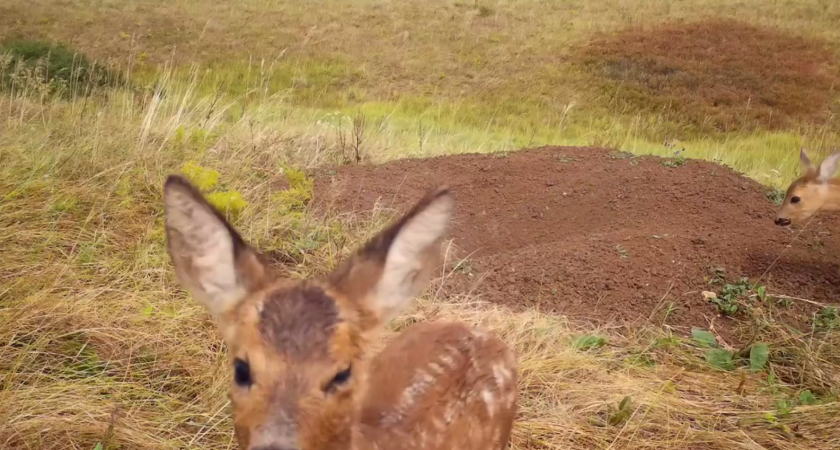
732,294
720,358
674,162
703,337
776,195
589,342
759,354
827,318
625,410
296,197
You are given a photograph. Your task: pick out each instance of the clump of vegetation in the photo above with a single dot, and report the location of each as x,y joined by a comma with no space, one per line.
776,195
828,318
229,202
673,163
299,193
52,67
731,295
717,75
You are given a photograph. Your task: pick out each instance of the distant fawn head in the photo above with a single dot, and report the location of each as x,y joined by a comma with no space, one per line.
297,347
810,192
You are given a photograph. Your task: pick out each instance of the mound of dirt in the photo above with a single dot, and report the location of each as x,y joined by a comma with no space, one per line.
601,235
717,74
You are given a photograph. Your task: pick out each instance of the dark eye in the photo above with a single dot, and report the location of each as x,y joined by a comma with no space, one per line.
242,373
339,379
794,199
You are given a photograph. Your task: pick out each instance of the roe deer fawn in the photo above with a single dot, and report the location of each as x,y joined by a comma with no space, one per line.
301,379
816,189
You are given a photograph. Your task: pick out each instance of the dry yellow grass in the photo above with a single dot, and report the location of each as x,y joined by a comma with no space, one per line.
99,346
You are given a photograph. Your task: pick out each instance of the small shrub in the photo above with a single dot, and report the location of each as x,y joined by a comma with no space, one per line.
827,318
731,294
776,195
674,162
230,203
297,196
204,179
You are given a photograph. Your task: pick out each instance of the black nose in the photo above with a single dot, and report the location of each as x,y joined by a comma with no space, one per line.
782,222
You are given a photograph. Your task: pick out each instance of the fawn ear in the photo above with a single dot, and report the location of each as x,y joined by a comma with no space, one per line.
211,260
808,167
828,167
392,268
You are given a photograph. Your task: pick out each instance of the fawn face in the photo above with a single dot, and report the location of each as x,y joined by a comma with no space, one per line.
297,348
809,193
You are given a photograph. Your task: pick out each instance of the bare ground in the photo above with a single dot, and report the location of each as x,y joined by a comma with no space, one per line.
603,236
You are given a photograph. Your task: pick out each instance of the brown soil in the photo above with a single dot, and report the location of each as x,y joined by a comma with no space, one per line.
600,235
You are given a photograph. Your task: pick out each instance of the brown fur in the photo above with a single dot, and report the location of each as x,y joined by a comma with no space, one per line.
437,385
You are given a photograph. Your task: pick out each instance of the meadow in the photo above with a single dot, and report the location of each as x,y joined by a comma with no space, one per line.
99,347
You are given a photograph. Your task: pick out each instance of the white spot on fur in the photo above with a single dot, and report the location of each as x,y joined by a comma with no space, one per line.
436,368
489,401
419,385
502,374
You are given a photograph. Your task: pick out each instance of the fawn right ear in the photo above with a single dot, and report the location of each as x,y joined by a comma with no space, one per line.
392,268
211,260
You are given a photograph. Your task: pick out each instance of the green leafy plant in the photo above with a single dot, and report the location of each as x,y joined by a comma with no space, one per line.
703,337
673,163
827,317
732,294
775,195
806,397
625,411
759,355
720,358
589,342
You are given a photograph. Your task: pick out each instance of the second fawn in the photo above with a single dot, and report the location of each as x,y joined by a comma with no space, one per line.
301,378
815,190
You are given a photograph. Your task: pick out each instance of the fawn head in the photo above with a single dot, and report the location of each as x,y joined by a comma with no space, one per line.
810,192
297,347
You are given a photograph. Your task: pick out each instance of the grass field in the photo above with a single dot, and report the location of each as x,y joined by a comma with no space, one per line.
98,346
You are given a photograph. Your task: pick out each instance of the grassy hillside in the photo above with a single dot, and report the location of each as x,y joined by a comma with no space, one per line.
98,346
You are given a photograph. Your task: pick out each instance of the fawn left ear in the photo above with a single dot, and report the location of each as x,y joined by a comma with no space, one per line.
396,265
211,259
804,161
